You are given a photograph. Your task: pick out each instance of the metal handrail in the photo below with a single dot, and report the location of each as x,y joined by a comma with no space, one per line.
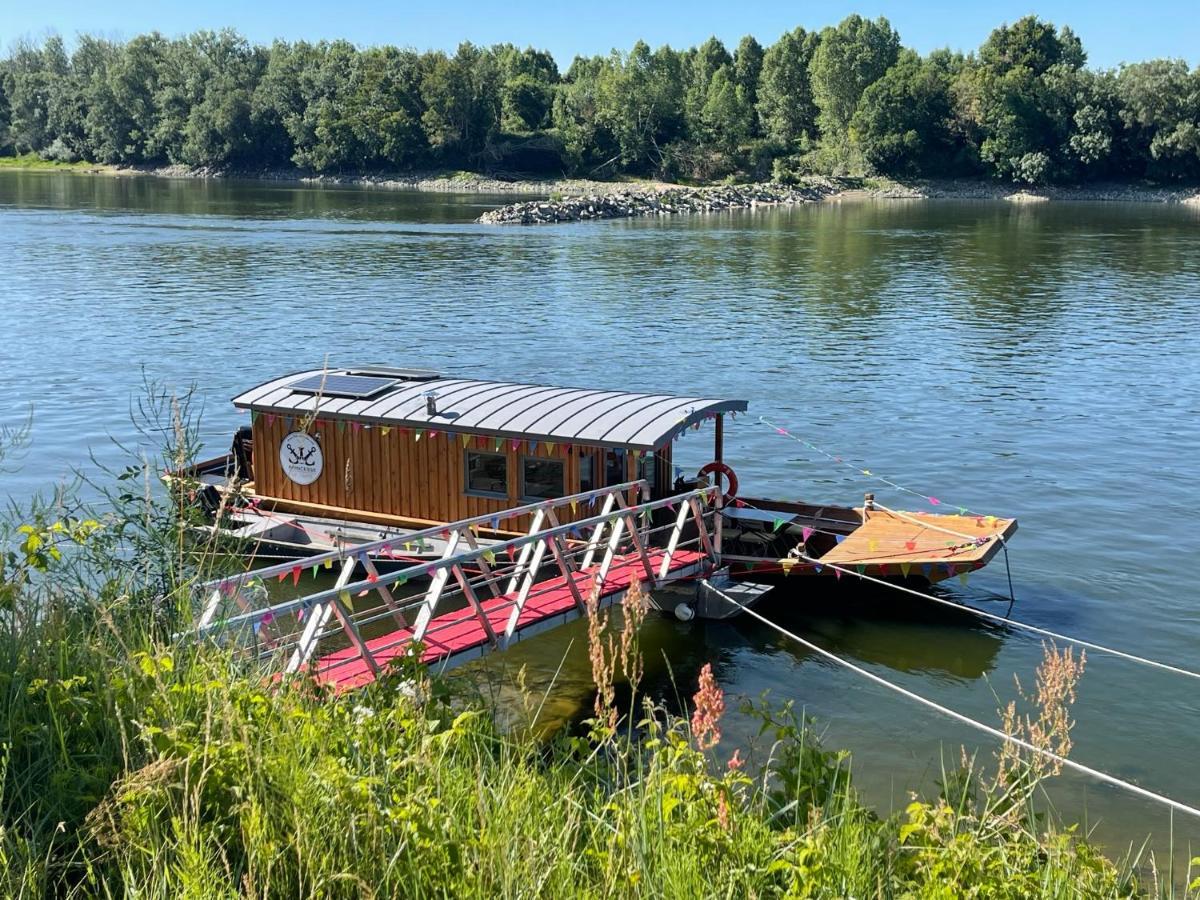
256,617
244,578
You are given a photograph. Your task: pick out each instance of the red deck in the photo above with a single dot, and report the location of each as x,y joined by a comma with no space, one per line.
460,631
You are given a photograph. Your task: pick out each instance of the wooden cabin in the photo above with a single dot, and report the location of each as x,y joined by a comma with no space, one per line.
412,447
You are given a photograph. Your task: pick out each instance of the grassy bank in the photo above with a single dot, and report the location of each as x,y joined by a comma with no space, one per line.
132,765
33,161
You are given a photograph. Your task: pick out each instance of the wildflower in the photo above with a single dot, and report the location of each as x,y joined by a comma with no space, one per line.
722,813
736,761
709,701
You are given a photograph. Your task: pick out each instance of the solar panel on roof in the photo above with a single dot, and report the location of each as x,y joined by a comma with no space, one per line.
353,386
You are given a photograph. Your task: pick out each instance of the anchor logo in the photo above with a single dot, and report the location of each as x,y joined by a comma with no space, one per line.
300,458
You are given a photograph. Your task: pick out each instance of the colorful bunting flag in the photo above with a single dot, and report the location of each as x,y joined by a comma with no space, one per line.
776,524
838,538
905,568
787,565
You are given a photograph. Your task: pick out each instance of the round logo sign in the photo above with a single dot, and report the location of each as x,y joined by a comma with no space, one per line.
300,457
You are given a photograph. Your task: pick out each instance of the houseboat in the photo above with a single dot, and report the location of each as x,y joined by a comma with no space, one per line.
339,458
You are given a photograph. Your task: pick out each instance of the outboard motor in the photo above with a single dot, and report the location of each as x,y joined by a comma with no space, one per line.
243,454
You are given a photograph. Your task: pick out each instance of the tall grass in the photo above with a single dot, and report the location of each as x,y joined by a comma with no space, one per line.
133,765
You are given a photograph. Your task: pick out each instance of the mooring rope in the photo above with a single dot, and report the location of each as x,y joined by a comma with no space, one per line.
967,720
1004,620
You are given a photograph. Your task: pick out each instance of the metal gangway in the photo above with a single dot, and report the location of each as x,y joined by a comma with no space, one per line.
479,596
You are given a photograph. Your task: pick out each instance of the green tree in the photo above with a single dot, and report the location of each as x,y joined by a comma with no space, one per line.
847,61
640,103
5,115
786,109
121,110
903,124
217,130
462,102
576,115
1159,105
747,70
529,78
699,69
35,75
1023,97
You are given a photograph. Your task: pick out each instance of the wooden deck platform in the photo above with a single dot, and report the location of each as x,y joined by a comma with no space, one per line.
915,540
459,636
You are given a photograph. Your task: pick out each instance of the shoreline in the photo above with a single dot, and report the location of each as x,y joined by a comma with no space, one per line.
631,193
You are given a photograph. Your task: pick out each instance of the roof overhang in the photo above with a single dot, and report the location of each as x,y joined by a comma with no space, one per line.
591,417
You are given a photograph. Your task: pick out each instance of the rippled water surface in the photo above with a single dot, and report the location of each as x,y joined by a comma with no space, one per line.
1042,362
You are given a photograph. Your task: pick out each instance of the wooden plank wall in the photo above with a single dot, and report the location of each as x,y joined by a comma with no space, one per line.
396,474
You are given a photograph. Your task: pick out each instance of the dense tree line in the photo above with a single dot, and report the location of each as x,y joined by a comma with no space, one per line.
847,99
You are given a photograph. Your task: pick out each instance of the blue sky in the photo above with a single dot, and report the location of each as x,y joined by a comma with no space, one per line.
1111,32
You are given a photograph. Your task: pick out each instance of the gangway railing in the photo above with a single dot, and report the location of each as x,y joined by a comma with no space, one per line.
466,570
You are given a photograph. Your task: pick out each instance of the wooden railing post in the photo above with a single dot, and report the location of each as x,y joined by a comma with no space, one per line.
705,540
386,593
342,611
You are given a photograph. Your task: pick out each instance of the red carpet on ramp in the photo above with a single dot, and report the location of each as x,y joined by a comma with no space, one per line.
461,630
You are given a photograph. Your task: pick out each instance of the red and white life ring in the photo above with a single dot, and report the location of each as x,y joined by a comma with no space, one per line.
730,477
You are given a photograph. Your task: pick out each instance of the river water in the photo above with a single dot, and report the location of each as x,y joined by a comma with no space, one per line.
1036,361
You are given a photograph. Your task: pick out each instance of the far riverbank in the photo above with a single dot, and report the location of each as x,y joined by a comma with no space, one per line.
570,197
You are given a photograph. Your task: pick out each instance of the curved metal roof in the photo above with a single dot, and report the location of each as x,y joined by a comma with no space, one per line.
503,409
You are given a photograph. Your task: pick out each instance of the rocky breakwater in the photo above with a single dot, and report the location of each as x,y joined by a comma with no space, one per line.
666,201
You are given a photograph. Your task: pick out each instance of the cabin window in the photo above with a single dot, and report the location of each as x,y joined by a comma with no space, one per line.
487,474
614,468
648,469
541,479
587,473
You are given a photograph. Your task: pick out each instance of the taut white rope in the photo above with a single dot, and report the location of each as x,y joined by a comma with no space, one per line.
1166,667
967,720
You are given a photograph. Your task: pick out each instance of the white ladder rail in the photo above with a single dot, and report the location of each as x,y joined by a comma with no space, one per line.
534,527
676,533
610,551
436,585
535,562
594,541
318,618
